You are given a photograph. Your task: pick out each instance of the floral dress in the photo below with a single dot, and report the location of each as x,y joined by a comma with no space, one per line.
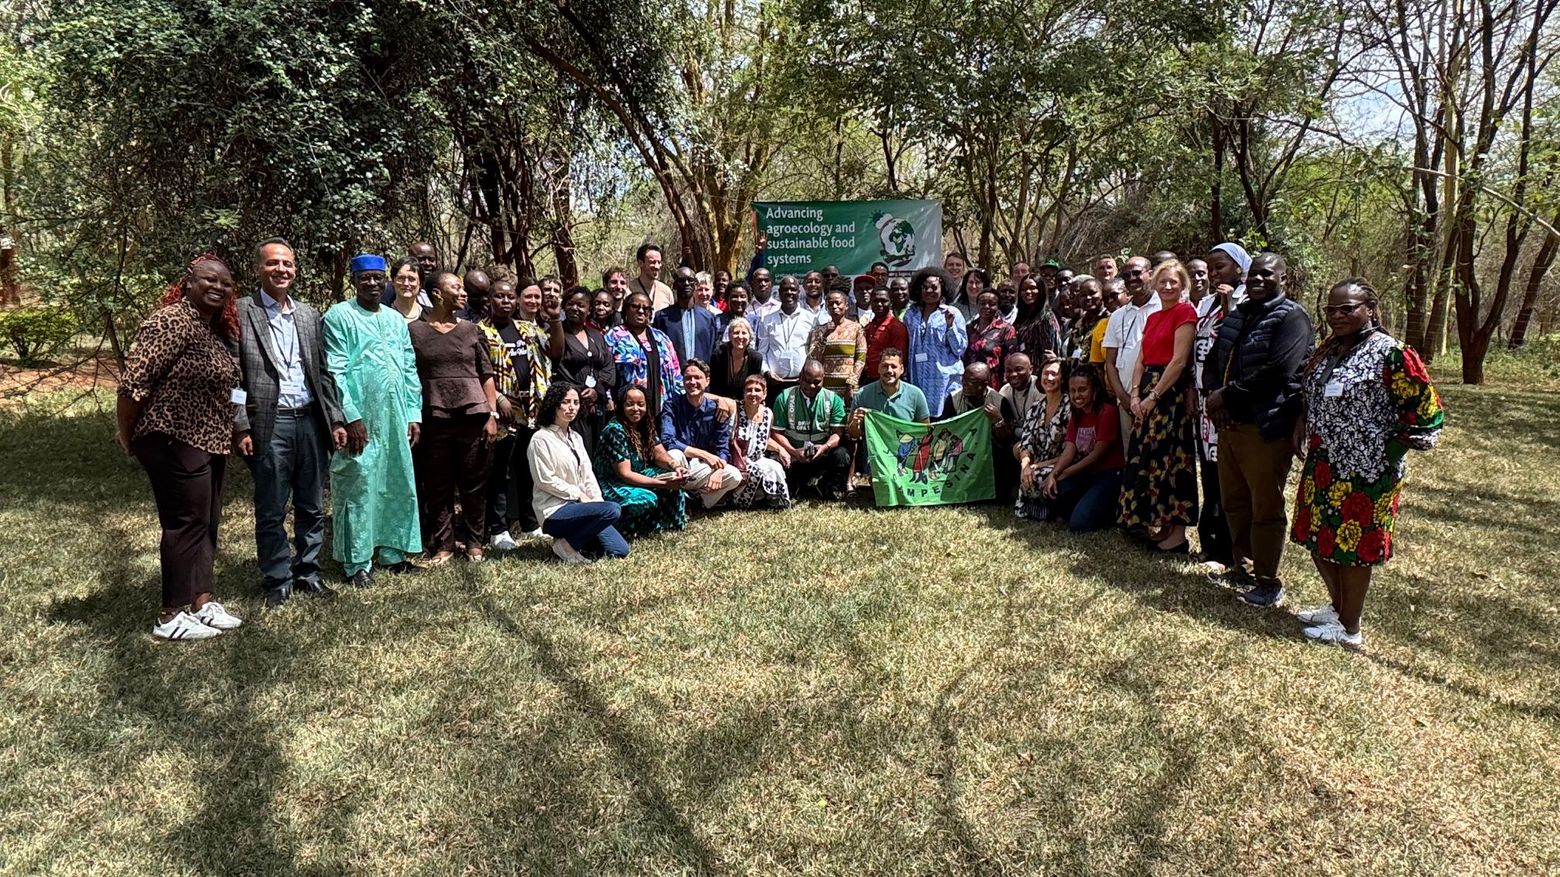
991,345
1043,437
645,511
1364,411
765,485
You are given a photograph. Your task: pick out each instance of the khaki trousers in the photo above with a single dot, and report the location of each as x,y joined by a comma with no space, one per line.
1252,473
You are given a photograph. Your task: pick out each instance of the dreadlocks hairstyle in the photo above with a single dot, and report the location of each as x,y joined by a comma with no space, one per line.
227,323
1091,373
1373,301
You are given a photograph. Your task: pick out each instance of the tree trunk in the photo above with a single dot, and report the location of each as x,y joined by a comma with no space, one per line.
1535,282
1216,185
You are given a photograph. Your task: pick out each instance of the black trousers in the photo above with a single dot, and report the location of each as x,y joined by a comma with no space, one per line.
187,487
828,468
1213,529
455,470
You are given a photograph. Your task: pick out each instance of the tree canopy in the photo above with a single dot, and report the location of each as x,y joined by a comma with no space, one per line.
1411,141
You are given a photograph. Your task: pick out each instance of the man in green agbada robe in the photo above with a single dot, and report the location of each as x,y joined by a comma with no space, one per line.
373,492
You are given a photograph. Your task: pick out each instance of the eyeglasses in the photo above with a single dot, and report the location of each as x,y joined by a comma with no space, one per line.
1342,310
637,307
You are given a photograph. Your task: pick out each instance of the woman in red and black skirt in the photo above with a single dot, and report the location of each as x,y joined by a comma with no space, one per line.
1159,484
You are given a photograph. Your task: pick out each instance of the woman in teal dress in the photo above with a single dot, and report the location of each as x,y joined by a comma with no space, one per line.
635,472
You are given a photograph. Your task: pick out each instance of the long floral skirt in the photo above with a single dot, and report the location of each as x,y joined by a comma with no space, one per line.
1159,484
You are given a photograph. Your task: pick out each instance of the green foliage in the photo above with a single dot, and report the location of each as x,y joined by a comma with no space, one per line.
35,334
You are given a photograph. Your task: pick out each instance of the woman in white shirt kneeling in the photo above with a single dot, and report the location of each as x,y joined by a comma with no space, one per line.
566,497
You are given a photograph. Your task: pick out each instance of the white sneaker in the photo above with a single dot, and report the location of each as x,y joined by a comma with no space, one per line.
537,534
1319,615
503,542
214,614
1334,633
184,626
566,552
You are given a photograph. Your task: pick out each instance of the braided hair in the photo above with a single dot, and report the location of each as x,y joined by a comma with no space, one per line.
1330,345
640,437
226,324
1091,373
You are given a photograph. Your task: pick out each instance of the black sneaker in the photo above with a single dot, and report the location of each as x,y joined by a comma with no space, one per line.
1264,596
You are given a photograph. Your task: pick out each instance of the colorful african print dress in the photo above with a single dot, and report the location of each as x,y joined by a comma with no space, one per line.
1365,411
645,511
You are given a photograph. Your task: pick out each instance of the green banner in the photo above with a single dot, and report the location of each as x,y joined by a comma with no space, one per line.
851,235
930,463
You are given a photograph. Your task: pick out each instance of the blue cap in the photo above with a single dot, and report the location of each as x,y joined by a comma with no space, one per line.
367,262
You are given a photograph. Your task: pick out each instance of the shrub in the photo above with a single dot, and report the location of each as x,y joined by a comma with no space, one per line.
37,333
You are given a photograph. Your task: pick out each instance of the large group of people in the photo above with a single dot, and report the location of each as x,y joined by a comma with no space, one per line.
456,414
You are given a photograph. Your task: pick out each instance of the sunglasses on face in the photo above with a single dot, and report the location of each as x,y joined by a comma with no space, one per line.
1342,310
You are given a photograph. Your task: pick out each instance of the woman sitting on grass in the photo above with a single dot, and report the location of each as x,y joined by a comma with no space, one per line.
1368,402
564,492
1044,439
1083,486
635,471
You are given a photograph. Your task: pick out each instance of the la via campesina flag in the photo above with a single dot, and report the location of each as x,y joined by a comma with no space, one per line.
930,463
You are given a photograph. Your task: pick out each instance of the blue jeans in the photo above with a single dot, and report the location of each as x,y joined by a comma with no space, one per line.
1088,501
293,465
588,527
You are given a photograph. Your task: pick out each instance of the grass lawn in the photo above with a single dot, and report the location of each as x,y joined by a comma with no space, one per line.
823,691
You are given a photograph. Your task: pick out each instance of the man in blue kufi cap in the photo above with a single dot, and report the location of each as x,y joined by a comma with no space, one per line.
373,493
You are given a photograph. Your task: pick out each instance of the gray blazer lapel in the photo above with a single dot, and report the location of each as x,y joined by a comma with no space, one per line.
262,331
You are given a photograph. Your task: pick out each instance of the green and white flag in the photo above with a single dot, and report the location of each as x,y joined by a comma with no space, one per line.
930,463
850,235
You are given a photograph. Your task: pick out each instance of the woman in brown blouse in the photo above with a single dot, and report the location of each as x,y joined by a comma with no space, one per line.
460,423
175,416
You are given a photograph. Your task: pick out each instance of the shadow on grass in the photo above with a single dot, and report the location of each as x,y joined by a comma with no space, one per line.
633,752
225,748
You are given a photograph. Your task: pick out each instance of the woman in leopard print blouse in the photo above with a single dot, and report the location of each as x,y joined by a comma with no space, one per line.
175,416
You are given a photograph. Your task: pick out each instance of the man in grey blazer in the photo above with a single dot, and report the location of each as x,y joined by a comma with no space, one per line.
288,425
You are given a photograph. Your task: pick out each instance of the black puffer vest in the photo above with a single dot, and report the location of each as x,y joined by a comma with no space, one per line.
1256,361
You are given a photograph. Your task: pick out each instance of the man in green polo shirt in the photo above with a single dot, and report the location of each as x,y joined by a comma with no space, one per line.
809,423
888,394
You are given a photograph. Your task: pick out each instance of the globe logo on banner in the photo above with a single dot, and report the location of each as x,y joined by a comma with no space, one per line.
896,239
805,236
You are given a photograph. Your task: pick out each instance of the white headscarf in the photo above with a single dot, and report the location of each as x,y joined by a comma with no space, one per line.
1237,253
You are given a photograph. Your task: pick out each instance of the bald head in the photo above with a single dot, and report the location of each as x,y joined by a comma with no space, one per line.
1265,278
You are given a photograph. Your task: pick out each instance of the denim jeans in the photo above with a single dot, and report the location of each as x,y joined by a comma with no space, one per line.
292,466
1088,501
588,527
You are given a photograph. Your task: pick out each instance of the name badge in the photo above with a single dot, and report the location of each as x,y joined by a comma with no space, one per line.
238,396
921,357
1333,390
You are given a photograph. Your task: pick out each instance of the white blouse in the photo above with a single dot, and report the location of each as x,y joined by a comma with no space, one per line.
560,467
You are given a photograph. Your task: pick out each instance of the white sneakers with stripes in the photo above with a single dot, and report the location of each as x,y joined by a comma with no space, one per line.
208,621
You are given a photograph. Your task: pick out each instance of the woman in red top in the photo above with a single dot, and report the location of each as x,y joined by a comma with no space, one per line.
883,332
1159,484
1083,486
